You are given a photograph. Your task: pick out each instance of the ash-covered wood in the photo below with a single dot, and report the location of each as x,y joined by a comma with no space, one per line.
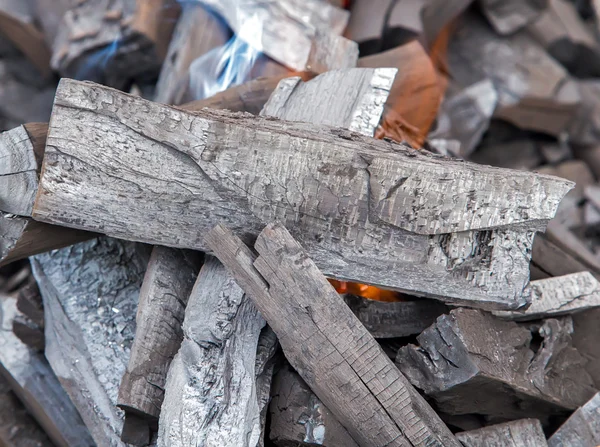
337,353
299,418
90,294
164,294
397,233
471,350
522,433
33,381
211,390
582,429
558,296
395,319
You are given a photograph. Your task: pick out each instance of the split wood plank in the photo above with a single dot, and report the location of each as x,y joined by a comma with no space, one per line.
378,406
33,381
90,293
582,429
363,194
519,433
470,348
167,284
558,296
211,392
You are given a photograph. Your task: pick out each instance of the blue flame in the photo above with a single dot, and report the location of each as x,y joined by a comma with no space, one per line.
228,65
95,65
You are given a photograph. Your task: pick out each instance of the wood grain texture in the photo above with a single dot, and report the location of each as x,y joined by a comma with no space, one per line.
582,429
558,296
351,98
369,211
167,284
470,349
33,381
90,294
211,393
519,433
337,357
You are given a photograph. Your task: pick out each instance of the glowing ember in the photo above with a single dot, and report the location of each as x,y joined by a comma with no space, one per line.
371,292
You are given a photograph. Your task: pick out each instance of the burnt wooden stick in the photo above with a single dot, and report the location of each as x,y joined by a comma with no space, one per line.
337,357
17,427
456,353
299,418
558,296
507,17
197,32
582,429
395,319
90,293
522,433
422,230
164,294
217,358
33,381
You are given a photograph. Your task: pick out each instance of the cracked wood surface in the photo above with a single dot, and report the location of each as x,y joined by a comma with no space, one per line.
90,293
211,395
582,429
336,356
556,296
471,350
520,433
367,210
33,381
167,284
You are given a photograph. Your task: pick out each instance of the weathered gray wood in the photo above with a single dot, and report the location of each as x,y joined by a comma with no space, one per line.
164,294
510,16
558,296
337,357
351,98
520,433
32,380
211,393
90,294
328,51
395,319
360,206
582,429
299,418
470,349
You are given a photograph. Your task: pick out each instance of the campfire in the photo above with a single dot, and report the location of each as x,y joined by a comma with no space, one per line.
283,223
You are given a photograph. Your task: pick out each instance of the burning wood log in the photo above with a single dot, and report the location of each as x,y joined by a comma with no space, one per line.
582,429
211,390
464,350
32,380
429,232
507,17
395,319
299,418
522,433
164,294
90,294
558,296
337,353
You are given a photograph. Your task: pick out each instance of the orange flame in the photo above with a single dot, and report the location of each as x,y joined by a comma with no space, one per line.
371,292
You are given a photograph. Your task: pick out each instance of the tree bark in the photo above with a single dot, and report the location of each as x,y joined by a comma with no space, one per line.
522,433
369,215
336,352
582,429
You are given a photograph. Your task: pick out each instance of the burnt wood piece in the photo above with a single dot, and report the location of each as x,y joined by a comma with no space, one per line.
29,302
583,130
564,238
197,32
268,355
516,154
534,91
395,319
17,427
351,98
338,358
462,351
136,430
510,16
550,258
299,418
368,19
90,293
396,232
436,14
211,392
582,429
521,433
33,381
586,333
29,332
165,290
